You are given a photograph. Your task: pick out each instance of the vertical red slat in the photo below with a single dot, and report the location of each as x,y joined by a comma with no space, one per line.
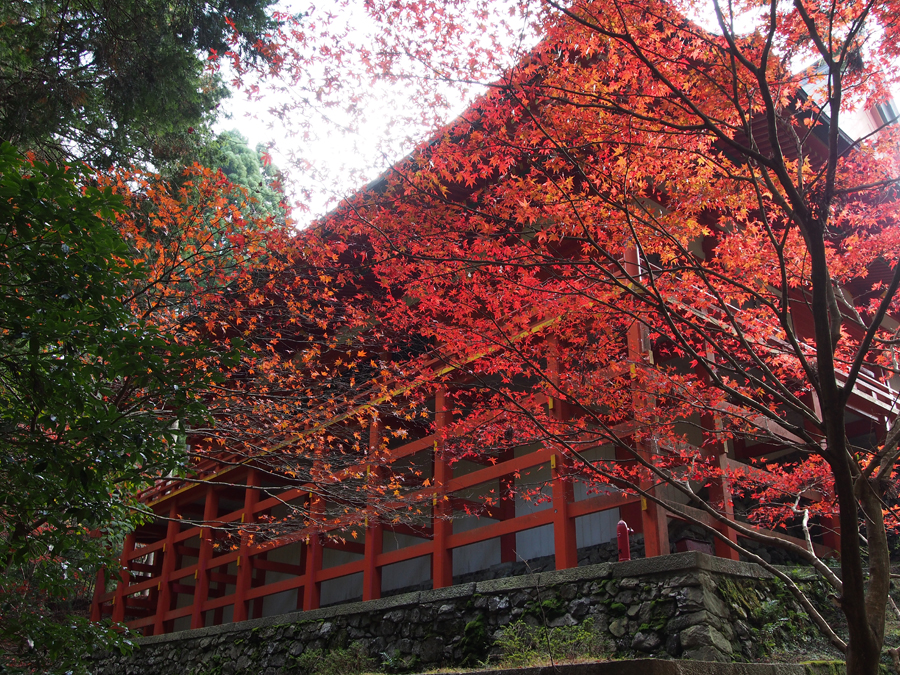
442,526
201,589
245,564
313,557
374,531
654,520
564,542
170,557
118,615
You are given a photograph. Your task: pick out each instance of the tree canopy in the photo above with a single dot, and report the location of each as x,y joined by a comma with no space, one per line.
120,82
659,226
677,210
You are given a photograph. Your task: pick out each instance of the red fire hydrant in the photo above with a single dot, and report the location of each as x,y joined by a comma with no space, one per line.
622,532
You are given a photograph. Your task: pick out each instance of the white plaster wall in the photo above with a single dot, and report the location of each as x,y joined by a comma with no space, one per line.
408,572
286,601
534,482
478,556
341,589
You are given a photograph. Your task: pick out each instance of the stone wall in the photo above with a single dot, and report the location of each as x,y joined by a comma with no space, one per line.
687,605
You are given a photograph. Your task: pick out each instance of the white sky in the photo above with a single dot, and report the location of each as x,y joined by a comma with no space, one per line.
328,153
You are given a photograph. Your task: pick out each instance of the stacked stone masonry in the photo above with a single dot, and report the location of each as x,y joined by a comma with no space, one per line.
687,606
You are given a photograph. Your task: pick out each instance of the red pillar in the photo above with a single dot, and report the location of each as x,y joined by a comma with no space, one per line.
313,556
244,561
374,540
170,557
716,453
564,540
99,590
201,589
442,525
506,510
720,492
654,519
118,615
831,533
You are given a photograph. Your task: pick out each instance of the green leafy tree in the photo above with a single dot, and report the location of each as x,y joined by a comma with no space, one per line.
91,401
119,81
251,169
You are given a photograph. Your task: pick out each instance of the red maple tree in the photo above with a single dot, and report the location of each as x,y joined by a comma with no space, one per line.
664,230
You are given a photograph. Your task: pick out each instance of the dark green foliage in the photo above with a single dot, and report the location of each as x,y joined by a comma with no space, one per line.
546,609
117,81
395,662
91,401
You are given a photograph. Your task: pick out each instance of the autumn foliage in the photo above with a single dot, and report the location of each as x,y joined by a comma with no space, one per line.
663,229
647,245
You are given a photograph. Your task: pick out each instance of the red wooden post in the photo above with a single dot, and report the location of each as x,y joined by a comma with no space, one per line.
374,540
506,510
720,491
313,556
831,533
442,525
564,540
201,588
99,590
720,486
654,519
118,615
244,561
170,557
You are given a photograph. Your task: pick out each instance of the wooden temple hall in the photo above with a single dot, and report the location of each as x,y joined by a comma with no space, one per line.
178,574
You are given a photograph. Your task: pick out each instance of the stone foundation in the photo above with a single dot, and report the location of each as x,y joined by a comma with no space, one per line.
685,606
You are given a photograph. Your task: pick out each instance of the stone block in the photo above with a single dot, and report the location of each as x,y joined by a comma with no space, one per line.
682,621
498,603
579,607
646,641
625,597
704,636
618,627
567,592
430,650
705,654
565,620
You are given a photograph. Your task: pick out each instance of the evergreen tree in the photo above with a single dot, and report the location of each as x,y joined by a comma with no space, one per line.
119,81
